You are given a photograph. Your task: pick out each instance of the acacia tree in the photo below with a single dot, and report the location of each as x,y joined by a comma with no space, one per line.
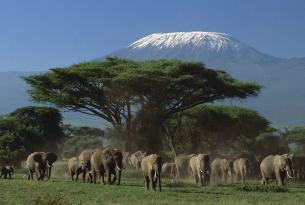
147,93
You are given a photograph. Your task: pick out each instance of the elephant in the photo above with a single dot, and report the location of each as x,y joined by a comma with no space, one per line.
277,167
7,171
85,161
182,162
41,163
169,168
136,158
222,168
151,166
299,168
126,159
200,167
49,158
107,160
241,168
74,168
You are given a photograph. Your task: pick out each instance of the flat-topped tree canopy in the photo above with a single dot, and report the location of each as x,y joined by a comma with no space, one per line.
108,88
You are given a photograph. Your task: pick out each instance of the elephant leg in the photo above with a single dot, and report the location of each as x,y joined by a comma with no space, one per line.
278,178
114,178
109,178
195,178
103,178
119,180
243,178
146,181
77,175
200,179
153,185
72,176
224,178
84,176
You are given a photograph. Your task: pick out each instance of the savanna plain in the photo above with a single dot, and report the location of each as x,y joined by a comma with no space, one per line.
60,190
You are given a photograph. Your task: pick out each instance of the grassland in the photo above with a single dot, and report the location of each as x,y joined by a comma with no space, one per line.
61,190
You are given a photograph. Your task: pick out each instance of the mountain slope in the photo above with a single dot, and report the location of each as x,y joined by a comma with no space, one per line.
282,100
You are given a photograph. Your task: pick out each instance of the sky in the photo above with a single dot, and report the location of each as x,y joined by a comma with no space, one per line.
36,35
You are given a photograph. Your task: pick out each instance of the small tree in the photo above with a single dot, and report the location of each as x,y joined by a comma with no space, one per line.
217,128
29,129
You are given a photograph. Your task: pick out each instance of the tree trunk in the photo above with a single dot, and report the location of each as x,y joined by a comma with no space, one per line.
169,138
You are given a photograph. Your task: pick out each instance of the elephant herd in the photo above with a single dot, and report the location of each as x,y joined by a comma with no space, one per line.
272,167
96,164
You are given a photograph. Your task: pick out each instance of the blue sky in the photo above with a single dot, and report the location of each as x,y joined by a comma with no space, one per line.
37,35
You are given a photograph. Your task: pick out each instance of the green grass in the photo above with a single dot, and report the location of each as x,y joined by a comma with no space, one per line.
61,191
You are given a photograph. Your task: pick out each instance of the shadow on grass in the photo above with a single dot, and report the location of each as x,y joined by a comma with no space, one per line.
260,188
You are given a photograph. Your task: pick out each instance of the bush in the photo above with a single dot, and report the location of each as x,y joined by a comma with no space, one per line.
55,199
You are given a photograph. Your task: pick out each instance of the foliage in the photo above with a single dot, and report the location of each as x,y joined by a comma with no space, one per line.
217,128
136,96
29,129
271,142
55,199
296,136
81,138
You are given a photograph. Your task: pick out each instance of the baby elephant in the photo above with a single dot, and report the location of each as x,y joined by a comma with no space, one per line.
241,168
74,167
7,171
151,167
169,168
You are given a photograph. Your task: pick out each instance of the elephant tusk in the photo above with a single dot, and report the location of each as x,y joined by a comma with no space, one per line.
118,168
289,175
48,165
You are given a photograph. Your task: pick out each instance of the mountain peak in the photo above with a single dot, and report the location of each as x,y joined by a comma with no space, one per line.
211,40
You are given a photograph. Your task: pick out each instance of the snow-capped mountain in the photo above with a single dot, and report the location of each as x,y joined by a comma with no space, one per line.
210,47
282,100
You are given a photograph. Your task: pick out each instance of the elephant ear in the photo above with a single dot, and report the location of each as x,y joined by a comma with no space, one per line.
50,157
37,157
288,156
107,153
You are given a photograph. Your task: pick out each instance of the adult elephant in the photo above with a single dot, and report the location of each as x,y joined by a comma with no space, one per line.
126,159
85,162
136,159
74,168
151,166
222,168
41,163
277,167
299,168
200,166
182,162
49,158
107,160
241,168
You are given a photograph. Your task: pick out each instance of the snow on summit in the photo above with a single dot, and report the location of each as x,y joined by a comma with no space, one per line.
211,40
